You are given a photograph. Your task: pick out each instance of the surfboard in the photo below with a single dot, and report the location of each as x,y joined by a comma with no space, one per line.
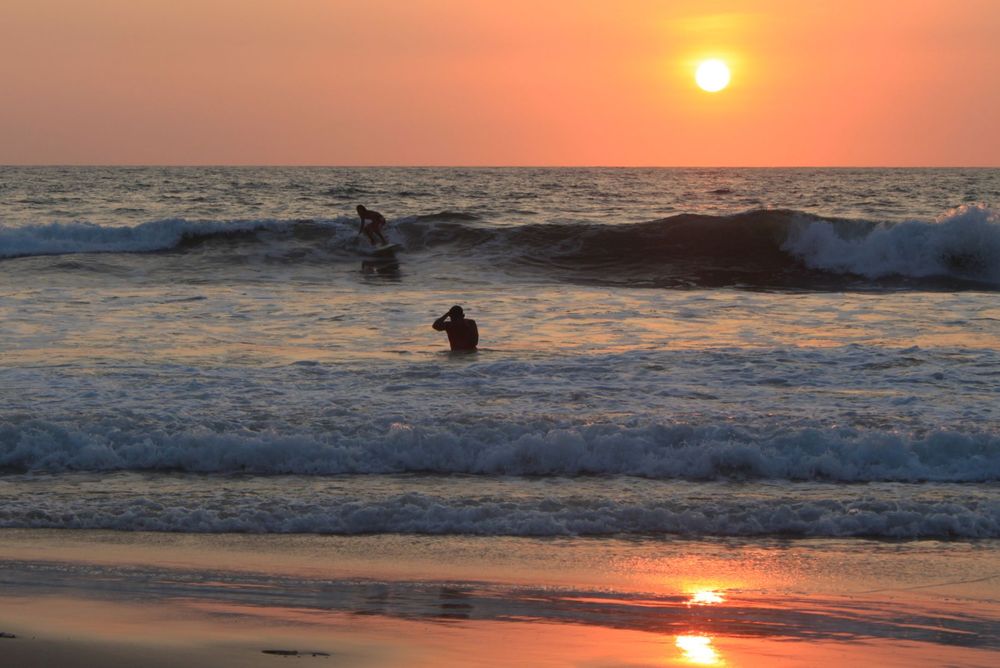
387,249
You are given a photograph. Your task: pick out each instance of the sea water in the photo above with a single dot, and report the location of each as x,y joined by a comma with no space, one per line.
699,353
741,404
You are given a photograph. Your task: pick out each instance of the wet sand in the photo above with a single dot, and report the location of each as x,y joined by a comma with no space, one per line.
83,599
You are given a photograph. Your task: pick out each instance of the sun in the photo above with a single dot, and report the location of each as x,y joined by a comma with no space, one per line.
712,75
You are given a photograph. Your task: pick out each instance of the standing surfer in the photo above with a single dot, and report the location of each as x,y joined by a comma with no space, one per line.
463,334
372,223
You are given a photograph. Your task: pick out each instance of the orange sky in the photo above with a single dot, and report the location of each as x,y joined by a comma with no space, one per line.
517,82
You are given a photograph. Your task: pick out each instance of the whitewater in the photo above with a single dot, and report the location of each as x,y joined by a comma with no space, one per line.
664,352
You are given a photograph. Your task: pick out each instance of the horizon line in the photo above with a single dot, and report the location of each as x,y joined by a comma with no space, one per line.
480,166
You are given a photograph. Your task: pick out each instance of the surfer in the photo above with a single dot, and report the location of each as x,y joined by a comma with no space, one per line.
463,334
372,223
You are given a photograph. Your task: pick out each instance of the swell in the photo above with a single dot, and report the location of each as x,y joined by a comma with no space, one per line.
760,248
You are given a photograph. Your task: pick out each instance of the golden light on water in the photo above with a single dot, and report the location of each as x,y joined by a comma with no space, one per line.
706,597
712,75
698,649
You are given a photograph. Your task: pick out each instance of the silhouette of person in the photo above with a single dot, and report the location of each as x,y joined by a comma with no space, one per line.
372,223
463,334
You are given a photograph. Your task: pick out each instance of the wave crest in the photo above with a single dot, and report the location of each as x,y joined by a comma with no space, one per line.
760,248
653,451
963,243
418,513
83,237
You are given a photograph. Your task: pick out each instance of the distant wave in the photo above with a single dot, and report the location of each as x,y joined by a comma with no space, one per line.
653,451
347,191
760,248
443,215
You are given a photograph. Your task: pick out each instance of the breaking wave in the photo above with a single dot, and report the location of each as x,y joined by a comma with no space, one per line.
761,248
653,451
963,243
82,237
418,513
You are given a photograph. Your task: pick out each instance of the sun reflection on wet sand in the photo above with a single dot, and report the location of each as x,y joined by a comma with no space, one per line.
698,649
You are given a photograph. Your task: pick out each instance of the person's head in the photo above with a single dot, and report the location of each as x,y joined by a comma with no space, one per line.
361,209
456,312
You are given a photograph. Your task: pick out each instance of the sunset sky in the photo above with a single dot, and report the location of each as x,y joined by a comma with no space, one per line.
518,82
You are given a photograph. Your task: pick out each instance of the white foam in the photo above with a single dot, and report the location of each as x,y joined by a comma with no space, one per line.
248,512
964,243
652,451
84,237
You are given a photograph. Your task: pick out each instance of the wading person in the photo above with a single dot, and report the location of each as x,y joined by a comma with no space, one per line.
463,334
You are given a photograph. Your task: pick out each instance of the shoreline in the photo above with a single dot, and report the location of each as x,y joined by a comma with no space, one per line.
222,600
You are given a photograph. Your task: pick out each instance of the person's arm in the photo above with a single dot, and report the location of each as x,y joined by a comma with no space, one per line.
439,323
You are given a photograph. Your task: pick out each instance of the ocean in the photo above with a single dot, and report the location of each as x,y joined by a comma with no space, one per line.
763,355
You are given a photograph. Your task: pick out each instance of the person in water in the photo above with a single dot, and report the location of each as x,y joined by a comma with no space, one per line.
372,223
463,334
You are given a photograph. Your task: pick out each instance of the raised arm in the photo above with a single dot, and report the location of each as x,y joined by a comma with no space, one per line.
439,323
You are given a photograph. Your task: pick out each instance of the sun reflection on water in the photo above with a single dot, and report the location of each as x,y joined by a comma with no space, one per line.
698,649
706,597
